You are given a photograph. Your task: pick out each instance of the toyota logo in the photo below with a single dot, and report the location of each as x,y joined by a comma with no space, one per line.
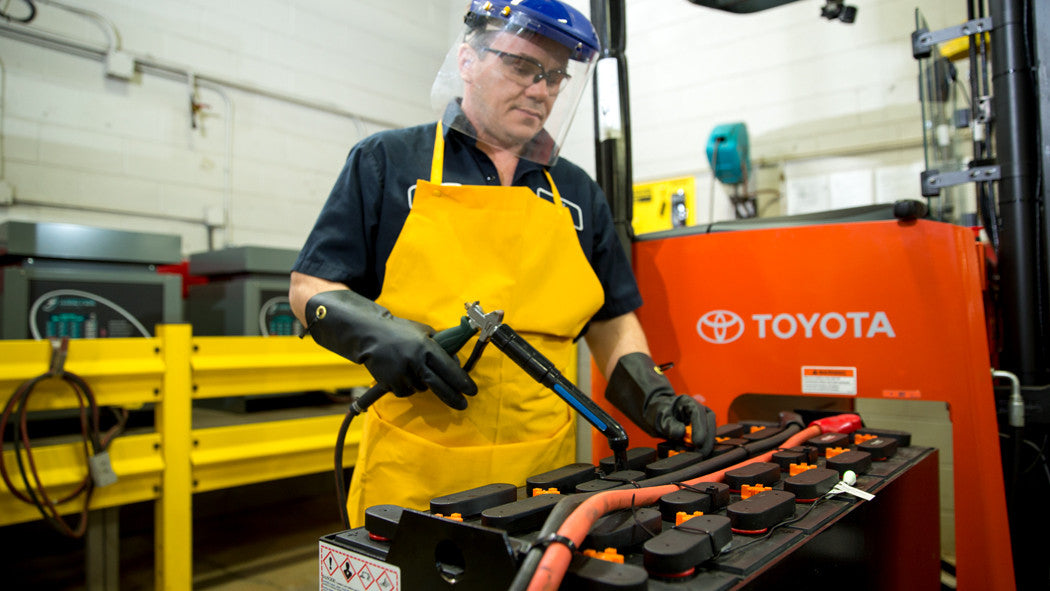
720,327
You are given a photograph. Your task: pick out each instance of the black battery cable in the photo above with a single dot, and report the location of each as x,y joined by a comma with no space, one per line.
94,444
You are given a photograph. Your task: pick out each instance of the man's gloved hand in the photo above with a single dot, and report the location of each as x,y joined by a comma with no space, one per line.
399,353
639,390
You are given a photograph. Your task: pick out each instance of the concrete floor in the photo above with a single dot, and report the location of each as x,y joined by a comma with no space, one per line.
254,537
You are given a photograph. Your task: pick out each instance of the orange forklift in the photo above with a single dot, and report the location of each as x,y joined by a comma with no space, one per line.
898,302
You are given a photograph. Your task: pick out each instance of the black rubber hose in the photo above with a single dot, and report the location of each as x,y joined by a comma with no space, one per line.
357,407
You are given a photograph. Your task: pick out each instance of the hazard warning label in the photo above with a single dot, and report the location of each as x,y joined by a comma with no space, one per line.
342,570
829,380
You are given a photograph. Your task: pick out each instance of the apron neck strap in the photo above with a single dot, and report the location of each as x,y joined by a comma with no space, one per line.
556,197
437,165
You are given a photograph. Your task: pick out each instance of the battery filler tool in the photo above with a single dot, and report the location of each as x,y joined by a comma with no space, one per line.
508,341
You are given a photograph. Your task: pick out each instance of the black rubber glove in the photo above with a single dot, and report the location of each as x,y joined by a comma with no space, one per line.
399,353
639,390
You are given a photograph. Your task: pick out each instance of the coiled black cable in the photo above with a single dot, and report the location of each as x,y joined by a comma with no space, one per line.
92,440
21,19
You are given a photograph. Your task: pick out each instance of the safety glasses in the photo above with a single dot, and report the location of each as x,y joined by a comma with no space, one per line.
527,71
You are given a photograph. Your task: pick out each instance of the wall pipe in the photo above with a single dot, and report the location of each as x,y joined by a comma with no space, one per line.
107,26
161,67
227,170
112,210
1020,272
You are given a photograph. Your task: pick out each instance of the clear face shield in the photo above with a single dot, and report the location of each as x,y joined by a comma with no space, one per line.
518,73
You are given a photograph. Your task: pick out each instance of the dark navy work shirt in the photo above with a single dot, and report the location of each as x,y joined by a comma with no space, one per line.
364,214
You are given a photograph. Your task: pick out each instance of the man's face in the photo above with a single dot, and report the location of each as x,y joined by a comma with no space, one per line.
506,110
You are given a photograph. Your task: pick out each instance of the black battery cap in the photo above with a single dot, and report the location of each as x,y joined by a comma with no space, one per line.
637,458
718,491
903,437
718,527
757,514
594,574
676,552
381,520
684,500
811,484
610,481
857,461
521,516
470,503
880,448
672,463
763,433
802,454
625,528
764,473
564,479
826,440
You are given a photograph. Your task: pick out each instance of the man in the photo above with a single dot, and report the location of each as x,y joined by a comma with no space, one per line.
500,221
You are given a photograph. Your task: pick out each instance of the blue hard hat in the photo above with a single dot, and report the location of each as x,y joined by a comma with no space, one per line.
550,18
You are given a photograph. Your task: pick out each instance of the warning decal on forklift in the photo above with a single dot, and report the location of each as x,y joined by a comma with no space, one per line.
342,570
829,380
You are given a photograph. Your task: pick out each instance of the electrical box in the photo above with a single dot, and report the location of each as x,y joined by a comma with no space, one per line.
663,205
729,153
68,280
246,293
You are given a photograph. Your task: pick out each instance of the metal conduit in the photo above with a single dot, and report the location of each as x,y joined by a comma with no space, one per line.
177,72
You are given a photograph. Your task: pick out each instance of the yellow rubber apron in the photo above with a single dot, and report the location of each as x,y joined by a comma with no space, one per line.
510,250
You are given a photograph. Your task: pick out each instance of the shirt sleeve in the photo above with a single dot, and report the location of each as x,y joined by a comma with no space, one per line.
341,245
610,262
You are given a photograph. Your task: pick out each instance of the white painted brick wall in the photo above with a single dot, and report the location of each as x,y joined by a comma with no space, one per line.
77,140
833,86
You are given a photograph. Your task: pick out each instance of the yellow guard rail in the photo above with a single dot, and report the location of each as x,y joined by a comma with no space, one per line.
176,460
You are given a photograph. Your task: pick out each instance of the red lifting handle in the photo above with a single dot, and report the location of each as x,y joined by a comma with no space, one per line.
845,423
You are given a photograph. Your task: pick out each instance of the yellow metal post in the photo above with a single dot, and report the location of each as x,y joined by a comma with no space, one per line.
173,517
